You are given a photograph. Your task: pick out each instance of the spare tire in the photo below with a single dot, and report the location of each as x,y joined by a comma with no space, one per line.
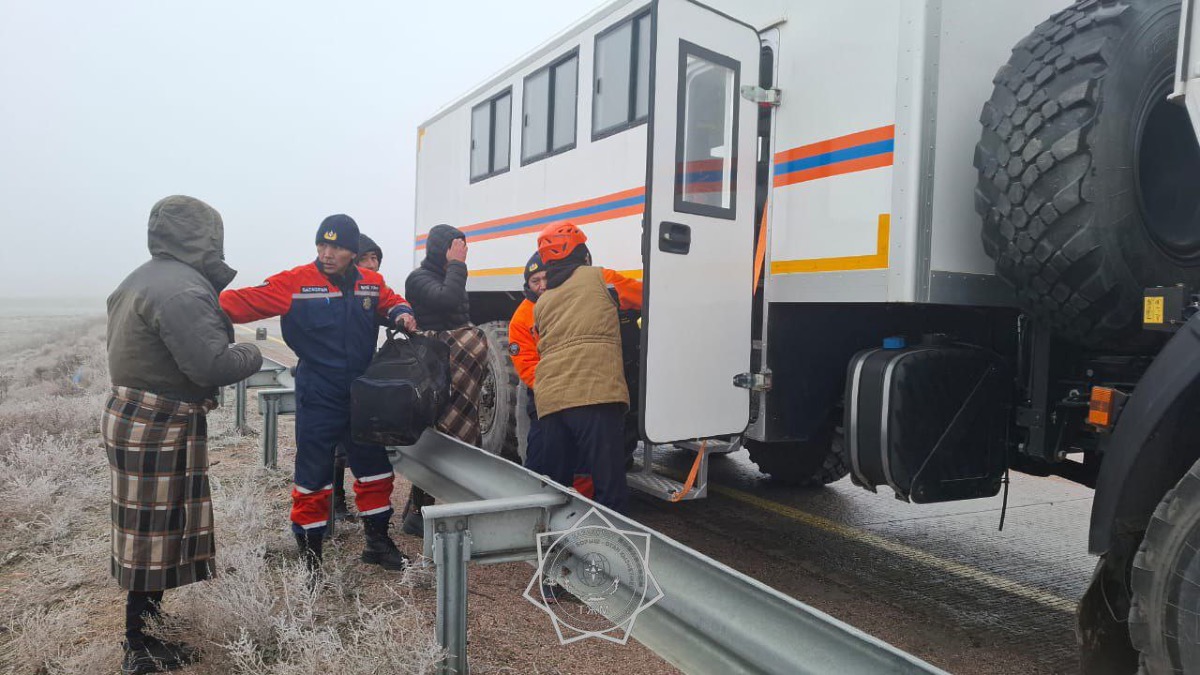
1087,174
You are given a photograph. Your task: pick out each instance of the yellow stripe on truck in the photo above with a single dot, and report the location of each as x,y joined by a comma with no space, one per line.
875,261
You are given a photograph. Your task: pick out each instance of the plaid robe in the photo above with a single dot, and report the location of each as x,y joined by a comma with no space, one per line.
162,522
468,367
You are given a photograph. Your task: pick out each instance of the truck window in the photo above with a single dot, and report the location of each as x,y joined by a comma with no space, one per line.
491,123
706,151
549,100
621,83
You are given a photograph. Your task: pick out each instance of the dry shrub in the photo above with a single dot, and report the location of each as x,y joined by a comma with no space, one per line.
261,616
258,616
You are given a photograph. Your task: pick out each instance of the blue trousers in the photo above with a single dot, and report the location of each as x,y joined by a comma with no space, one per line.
591,436
322,422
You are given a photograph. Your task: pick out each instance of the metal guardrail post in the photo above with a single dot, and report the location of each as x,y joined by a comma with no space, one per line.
270,434
451,551
271,404
239,407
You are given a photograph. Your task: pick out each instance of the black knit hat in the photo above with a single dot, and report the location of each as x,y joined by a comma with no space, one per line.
367,244
533,266
339,230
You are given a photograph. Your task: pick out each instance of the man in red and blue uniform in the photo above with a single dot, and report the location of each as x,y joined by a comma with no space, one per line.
331,312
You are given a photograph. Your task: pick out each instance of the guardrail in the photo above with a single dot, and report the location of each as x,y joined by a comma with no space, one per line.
711,618
270,374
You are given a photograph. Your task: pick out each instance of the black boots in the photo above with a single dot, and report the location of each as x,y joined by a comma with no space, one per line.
145,653
380,549
156,656
413,524
310,544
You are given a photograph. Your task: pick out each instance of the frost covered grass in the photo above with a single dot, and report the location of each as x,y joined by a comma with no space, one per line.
61,611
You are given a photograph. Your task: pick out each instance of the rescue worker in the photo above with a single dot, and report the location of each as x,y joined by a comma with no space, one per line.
168,352
523,349
581,395
437,290
370,256
331,311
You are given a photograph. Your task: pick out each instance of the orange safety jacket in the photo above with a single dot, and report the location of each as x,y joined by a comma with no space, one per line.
523,342
522,335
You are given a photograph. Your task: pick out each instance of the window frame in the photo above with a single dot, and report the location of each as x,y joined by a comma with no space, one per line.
687,49
631,118
551,89
491,103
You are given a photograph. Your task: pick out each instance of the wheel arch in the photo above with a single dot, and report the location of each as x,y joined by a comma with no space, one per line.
1144,457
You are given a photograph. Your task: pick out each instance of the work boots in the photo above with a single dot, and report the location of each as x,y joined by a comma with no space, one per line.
310,543
155,656
412,522
380,549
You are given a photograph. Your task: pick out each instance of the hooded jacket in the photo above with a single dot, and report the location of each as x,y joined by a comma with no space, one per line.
437,289
166,332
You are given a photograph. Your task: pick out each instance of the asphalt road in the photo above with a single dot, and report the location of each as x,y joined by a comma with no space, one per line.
940,581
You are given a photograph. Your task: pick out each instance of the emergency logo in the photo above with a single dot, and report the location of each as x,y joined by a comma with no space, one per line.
606,569
514,348
330,235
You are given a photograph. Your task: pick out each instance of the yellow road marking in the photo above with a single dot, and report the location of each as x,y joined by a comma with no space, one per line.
998,583
269,337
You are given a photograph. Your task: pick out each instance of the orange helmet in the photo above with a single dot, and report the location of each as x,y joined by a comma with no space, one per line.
558,240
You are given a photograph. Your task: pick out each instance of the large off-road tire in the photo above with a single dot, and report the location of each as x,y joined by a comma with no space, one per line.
1087,174
1164,620
814,463
498,401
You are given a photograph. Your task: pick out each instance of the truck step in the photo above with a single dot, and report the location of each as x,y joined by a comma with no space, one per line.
644,479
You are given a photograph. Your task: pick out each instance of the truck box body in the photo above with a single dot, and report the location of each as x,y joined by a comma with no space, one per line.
870,197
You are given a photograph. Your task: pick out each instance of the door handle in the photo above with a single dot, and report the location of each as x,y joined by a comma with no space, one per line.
674,238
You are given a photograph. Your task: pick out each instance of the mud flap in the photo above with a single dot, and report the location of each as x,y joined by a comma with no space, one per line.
1102,616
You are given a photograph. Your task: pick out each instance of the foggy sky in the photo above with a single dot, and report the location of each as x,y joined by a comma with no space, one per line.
276,113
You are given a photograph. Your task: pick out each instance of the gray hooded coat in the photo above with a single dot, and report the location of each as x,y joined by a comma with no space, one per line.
166,332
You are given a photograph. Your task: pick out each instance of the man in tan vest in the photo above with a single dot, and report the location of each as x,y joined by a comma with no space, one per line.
581,396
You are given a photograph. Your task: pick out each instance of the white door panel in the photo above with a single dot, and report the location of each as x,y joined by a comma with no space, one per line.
699,224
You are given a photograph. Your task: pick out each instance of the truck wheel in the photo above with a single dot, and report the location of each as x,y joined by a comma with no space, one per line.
1086,171
1166,583
498,401
811,464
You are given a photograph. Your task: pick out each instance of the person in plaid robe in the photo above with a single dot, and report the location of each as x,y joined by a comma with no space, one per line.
168,352
437,291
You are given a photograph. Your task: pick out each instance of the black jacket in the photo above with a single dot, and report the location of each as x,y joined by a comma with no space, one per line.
437,290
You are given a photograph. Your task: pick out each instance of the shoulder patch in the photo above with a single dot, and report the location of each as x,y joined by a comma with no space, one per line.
514,348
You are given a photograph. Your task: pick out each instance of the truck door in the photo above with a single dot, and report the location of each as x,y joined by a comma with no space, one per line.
698,228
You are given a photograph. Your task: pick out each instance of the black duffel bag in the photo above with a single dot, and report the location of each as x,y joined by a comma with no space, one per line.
402,392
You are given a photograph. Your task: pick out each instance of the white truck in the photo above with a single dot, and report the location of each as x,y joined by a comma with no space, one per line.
908,240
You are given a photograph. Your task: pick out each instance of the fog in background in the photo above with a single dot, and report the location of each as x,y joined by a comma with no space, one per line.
276,113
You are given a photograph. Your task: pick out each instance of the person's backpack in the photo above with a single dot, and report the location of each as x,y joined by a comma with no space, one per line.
402,392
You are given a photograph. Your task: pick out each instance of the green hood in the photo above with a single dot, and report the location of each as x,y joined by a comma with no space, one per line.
189,231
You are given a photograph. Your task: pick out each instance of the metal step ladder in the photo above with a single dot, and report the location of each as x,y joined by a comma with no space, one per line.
643,477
